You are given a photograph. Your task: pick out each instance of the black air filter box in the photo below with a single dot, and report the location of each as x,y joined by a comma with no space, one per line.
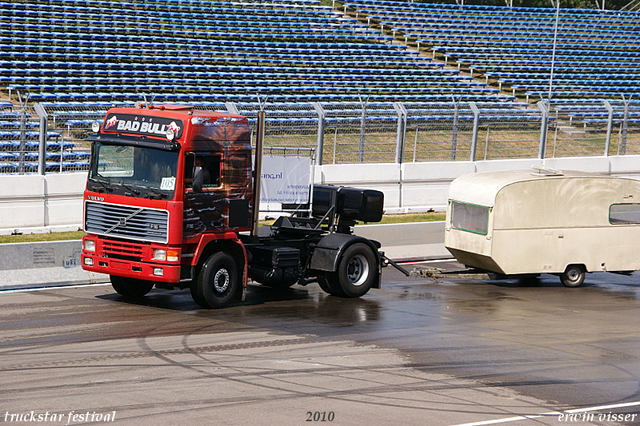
366,205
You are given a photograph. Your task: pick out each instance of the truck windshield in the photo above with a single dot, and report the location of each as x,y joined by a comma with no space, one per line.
133,170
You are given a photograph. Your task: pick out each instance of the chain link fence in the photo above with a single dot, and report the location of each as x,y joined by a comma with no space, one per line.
364,132
27,147
287,125
600,128
352,133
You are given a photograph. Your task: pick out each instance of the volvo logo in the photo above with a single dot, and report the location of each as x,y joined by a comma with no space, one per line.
123,221
94,198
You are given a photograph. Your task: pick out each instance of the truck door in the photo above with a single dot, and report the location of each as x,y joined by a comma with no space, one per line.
204,197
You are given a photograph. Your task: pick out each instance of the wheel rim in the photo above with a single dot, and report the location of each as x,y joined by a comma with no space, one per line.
358,270
221,280
573,274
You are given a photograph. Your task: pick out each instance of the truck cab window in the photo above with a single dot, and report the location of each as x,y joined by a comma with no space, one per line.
202,172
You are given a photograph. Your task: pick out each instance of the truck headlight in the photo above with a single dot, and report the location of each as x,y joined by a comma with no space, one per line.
89,245
160,254
165,255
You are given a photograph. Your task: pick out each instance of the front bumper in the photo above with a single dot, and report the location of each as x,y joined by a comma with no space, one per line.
132,269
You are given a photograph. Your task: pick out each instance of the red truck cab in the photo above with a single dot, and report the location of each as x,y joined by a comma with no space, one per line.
164,183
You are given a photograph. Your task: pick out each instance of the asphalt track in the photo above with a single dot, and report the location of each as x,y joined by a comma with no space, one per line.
416,352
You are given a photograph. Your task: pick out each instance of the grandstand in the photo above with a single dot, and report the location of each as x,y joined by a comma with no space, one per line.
211,51
315,63
596,56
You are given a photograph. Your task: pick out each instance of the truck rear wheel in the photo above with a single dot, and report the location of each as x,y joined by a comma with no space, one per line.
329,284
573,276
355,275
217,282
130,287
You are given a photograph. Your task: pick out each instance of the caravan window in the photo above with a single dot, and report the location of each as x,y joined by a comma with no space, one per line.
621,214
470,217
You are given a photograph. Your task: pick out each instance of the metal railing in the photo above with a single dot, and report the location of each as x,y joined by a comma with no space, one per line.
51,137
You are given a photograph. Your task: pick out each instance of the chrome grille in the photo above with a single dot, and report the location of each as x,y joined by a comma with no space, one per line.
126,222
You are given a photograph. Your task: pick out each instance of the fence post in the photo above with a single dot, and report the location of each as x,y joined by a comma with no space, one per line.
42,147
607,142
454,138
476,124
625,126
23,133
363,119
544,130
402,131
320,144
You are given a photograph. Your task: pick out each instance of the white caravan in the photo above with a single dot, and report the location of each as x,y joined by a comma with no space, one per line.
524,222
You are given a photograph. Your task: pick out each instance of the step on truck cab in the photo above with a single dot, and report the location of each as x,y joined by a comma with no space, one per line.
170,201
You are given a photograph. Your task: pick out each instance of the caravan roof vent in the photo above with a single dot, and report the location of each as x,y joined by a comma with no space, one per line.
545,171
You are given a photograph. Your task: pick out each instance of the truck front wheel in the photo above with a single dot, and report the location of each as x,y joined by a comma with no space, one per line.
217,282
356,272
130,287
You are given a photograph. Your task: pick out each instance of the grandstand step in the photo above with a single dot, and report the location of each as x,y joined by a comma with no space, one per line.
571,131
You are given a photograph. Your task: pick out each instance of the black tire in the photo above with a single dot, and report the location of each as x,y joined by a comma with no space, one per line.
356,273
217,282
130,287
322,282
329,284
573,276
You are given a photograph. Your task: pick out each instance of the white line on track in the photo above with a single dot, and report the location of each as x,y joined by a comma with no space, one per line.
415,262
21,290
553,413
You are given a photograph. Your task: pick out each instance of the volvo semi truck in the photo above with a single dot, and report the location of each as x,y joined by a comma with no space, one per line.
171,201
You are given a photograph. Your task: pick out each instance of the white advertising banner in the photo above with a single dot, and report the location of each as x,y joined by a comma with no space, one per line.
285,180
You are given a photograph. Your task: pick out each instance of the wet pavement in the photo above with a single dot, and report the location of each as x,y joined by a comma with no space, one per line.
417,351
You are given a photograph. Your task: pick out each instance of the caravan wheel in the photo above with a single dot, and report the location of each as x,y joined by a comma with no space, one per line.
573,276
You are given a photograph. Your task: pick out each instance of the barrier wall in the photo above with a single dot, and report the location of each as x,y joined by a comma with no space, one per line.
31,265
36,203
53,202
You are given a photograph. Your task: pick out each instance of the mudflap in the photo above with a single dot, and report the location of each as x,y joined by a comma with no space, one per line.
329,250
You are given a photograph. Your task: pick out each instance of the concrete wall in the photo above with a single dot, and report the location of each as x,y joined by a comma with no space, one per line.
408,241
47,264
54,202
34,203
